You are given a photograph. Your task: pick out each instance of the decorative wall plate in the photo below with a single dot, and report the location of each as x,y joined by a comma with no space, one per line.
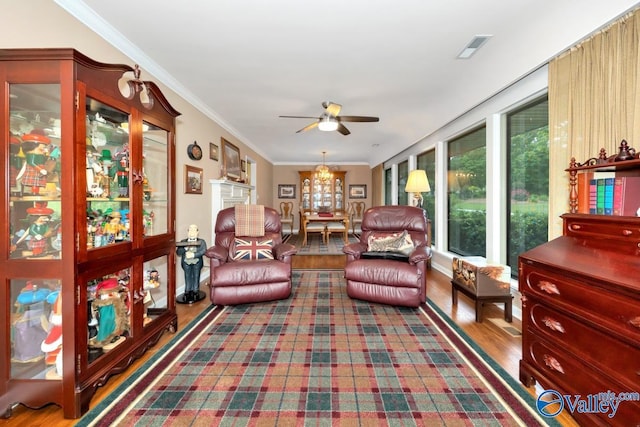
194,151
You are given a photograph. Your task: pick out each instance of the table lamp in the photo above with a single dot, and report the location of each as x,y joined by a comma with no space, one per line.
417,184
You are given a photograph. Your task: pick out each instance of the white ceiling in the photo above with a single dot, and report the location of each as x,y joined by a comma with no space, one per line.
246,62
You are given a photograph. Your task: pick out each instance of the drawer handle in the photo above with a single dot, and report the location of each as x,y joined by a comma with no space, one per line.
627,232
553,364
575,227
635,322
548,287
553,324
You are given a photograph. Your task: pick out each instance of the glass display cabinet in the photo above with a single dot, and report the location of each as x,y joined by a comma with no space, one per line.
318,195
87,248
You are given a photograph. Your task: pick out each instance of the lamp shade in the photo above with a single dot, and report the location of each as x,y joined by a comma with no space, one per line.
417,182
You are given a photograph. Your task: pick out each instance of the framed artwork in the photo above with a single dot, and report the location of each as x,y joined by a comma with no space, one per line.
213,151
358,191
192,180
286,191
230,160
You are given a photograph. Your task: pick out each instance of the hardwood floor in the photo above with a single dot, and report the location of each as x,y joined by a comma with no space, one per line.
504,348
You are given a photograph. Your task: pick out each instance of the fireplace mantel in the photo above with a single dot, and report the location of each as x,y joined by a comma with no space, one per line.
225,194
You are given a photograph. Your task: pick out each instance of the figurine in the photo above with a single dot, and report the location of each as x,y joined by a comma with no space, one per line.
16,157
39,230
52,344
112,313
33,173
114,230
624,152
121,172
191,250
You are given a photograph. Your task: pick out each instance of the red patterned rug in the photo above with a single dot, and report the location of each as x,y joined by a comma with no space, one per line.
318,358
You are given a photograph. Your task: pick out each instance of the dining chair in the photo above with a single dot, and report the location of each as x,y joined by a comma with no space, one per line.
341,226
356,210
308,227
286,215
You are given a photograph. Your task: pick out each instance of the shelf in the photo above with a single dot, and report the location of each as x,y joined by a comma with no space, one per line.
608,166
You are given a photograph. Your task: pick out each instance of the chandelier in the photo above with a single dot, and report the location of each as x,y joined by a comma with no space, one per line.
323,174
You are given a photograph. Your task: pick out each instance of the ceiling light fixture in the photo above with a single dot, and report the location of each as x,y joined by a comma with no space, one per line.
322,171
328,123
475,44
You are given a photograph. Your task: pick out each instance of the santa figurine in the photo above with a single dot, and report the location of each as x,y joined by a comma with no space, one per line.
36,151
52,344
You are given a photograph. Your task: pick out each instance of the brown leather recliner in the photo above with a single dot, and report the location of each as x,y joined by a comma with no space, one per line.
386,276
239,281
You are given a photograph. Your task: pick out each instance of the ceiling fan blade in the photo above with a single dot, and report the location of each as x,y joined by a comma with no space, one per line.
358,119
299,117
331,108
342,129
308,127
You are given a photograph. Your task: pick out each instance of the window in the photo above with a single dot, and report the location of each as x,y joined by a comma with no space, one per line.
403,174
427,162
467,194
388,182
528,180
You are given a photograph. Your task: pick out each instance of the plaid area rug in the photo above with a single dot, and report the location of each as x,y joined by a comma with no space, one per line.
318,358
315,246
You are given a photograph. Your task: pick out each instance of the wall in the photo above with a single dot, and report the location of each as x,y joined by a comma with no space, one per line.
43,24
288,174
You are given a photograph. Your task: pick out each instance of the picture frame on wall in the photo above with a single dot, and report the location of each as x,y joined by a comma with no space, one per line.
358,191
192,180
232,169
286,191
213,151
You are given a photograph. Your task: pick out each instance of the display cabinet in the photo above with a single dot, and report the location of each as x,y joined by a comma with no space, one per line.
87,249
581,306
318,195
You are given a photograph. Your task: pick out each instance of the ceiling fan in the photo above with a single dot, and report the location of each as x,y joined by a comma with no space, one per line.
330,120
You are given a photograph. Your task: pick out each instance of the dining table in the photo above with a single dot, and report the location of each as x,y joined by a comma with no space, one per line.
314,217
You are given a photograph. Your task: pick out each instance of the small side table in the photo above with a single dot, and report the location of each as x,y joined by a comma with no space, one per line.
483,283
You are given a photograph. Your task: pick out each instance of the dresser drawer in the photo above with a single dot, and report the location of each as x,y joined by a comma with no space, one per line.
620,234
565,371
613,357
616,314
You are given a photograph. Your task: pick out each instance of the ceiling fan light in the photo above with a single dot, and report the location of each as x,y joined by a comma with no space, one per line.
328,124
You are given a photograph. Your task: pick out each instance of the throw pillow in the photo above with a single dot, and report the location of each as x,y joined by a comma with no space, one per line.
251,249
394,242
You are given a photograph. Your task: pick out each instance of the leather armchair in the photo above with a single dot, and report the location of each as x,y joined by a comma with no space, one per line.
388,277
234,281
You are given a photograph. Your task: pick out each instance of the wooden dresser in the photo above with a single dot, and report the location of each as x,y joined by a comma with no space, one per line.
581,313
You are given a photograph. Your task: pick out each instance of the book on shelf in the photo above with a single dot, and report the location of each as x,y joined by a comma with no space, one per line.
599,196
626,196
585,195
608,195
604,192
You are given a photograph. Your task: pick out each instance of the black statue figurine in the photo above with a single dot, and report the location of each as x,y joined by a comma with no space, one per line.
191,250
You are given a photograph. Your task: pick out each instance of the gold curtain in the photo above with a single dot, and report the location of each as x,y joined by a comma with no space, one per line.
594,103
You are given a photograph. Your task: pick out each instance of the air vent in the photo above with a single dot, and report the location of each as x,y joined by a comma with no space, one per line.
473,46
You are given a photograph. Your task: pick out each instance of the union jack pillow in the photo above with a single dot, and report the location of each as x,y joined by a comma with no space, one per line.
250,249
